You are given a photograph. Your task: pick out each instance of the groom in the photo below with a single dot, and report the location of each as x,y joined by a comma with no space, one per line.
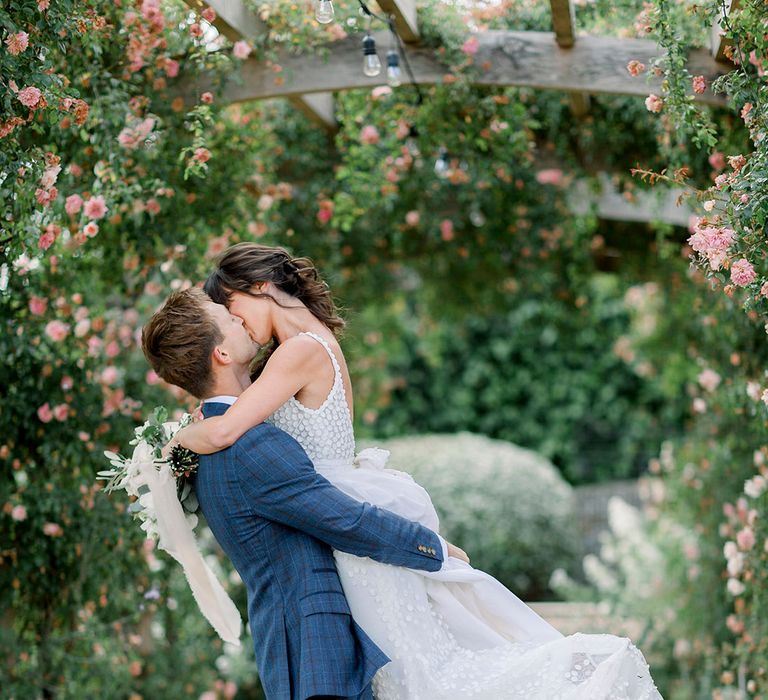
277,518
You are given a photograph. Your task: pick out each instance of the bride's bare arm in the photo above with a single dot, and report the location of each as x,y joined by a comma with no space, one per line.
288,370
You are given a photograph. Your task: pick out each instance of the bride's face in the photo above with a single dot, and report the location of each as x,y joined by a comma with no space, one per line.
256,313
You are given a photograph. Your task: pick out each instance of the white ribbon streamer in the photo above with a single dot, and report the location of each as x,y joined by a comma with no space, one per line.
177,538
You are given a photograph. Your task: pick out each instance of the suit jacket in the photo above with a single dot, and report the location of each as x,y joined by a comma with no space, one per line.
277,519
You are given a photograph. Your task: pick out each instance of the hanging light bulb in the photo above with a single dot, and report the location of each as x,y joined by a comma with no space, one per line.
442,165
412,142
393,69
371,62
324,11
477,217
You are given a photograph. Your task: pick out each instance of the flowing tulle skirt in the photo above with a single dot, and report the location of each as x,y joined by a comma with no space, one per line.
459,633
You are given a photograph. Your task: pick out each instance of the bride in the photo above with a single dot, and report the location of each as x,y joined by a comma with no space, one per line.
452,634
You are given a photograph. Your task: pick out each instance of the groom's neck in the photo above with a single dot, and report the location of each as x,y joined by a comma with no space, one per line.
230,381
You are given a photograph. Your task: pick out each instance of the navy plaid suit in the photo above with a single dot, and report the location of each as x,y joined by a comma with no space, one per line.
277,519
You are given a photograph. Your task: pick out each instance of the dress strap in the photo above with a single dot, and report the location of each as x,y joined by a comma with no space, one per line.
326,345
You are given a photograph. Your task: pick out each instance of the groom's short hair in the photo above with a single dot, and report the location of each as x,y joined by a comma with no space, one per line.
179,339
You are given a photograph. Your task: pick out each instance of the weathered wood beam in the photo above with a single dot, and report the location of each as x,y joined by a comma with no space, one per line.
563,22
564,26
319,107
234,19
527,59
579,104
718,42
404,12
645,206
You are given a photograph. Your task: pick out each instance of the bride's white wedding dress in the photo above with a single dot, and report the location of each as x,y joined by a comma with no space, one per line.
455,633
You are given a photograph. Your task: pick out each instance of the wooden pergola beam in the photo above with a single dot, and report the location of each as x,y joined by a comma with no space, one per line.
404,12
236,21
233,19
645,206
597,65
564,26
718,42
563,23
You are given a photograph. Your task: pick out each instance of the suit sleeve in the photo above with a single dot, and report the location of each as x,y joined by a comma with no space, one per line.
282,485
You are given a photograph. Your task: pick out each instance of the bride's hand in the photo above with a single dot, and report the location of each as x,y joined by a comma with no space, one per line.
166,451
457,552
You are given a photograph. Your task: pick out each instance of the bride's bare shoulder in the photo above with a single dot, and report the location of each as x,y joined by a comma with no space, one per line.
298,349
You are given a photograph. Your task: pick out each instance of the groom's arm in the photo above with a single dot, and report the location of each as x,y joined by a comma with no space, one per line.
282,485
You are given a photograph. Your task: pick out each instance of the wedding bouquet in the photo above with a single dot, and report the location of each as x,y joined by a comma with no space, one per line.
166,504
130,474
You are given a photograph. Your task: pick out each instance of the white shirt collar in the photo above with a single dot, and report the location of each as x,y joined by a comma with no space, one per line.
223,398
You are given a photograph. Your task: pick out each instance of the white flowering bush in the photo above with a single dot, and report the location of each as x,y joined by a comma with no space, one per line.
506,506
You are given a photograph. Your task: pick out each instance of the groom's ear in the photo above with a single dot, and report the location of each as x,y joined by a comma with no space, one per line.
221,356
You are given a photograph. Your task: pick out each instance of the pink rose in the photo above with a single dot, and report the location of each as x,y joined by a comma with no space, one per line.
53,529
82,327
44,413
46,240
171,68
709,379
153,206
152,378
446,230
112,349
717,160
412,218
653,103
737,162
17,43
91,229
381,91
201,155
206,98
550,176
699,84
209,15
29,97
635,68
61,412
56,330
38,305
109,375
94,345
135,133
50,176
43,5
324,215
470,46
95,208
19,513
241,50
742,272
369,135
745,538
196,30
45,197
73,204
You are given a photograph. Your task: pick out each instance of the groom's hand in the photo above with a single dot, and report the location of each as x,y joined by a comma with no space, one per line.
457,552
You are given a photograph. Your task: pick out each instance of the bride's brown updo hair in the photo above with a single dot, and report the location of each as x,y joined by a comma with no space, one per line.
244,265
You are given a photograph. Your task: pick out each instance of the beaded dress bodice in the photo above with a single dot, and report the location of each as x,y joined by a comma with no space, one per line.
326,432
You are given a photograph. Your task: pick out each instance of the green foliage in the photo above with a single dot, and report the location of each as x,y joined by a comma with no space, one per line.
545,376
506,506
